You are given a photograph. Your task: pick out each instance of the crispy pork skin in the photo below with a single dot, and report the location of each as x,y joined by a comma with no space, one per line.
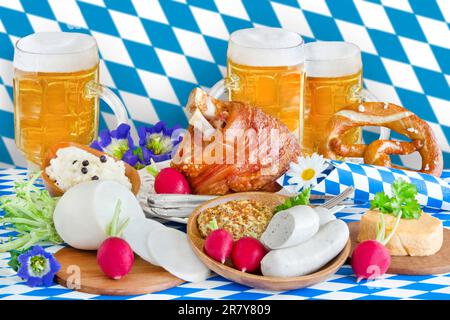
241,148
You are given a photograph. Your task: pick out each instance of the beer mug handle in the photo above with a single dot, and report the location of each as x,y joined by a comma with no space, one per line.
368,96
94,89
229,83
218,89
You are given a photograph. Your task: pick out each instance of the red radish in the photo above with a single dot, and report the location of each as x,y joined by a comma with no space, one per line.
169,180
218,243
370,259
115,256
247,254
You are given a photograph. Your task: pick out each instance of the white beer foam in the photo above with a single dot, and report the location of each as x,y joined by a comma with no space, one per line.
56,52
332,59
266,47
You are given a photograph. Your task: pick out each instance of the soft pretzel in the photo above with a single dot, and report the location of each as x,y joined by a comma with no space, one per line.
387,115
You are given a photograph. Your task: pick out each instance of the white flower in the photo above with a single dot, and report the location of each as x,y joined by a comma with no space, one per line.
306,172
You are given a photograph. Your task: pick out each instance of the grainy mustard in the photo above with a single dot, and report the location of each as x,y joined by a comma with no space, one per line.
239,217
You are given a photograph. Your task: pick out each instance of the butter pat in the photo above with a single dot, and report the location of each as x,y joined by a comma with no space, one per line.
413,237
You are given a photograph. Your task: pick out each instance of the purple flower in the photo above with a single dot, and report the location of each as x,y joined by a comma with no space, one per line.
116,142
158,142
130,158
37,267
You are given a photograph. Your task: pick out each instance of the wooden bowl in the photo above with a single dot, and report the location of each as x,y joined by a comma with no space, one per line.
257,280
55,191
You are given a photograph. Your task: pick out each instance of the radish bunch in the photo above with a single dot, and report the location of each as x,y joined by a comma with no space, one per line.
115,256
246,254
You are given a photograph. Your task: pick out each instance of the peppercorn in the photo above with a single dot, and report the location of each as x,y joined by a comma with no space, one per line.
94,178
85,163
84,170
103,158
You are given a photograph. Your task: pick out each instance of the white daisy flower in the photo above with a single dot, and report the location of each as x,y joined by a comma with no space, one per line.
305,173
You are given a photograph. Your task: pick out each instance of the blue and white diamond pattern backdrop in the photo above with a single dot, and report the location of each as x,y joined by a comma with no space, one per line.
154,52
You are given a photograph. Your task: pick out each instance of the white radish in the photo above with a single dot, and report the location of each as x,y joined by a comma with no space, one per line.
84,212
290,227
136,234
171,249
325,215
308,256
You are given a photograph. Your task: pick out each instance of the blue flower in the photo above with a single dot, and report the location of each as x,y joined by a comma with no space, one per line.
116,143
37,267
158,142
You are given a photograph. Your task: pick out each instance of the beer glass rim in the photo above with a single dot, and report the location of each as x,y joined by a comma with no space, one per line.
354,53
301,40
18,42
332,59
56,52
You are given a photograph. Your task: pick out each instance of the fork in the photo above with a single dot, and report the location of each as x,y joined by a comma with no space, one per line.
338,199
177,208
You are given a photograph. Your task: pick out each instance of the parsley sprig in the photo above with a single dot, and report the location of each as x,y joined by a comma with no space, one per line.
403,201
301,199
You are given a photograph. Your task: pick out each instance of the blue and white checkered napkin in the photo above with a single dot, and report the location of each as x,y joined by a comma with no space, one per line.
368,180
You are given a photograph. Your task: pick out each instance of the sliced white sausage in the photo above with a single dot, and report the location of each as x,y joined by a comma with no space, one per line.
171,249
308,256
325,215
290,227
136,234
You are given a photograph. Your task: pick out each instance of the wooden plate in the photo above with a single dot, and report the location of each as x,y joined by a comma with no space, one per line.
79,271
255,280
55,191
435,264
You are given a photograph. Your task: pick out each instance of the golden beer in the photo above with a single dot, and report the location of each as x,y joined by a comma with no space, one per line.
52,107
276,90
56,92
333,82
265,68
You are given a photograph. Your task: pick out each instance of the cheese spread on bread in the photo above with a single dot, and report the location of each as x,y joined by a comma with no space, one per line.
413,237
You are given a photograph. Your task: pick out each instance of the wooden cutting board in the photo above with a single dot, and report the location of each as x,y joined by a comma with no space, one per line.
79,271
435,264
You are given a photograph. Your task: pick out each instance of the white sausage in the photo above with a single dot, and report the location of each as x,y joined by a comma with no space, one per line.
290,227
308,256
325,215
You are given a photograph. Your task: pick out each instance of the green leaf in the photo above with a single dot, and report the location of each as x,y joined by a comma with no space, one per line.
411,209
403,201
301,199
381,201
14,260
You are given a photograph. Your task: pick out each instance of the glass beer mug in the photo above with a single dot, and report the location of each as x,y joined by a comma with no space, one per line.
56,92
265,68
333,82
